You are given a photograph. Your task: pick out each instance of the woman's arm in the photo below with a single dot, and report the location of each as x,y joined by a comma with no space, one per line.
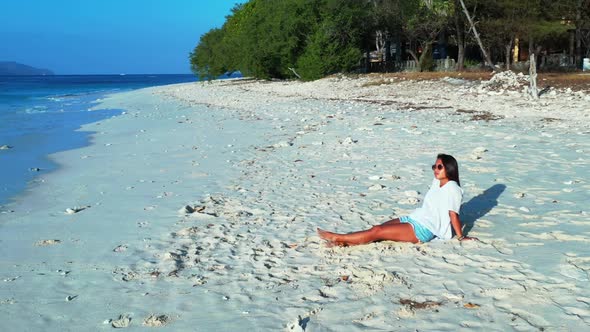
456,223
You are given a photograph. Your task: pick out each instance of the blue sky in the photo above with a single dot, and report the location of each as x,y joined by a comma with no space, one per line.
107,36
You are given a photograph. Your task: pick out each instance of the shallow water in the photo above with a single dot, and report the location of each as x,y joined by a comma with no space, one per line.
39,115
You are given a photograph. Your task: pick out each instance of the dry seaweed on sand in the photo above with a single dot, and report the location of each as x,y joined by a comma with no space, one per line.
419,305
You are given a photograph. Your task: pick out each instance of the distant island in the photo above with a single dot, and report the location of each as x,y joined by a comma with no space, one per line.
11,68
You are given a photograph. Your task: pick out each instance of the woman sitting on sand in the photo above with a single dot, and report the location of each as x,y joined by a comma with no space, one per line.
434,219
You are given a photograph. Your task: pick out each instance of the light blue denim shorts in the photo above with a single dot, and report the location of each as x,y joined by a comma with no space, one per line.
422,233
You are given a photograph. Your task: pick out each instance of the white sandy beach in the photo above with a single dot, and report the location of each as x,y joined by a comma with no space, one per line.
199,205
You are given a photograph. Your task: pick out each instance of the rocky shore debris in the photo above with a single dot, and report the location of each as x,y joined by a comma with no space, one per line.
505,80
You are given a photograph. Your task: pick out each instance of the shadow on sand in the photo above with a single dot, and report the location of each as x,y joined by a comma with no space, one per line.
480,205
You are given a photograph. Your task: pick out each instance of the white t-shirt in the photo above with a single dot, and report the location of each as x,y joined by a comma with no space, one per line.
434,213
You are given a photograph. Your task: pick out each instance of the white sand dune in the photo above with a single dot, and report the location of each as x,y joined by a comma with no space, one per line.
202,200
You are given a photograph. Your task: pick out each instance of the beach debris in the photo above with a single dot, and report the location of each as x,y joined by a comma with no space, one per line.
390,177
481,115
63,272
419,305
506,79
120,248
470,305
348,141
376,187
156,320
71,297
44,243
121,322
75,210
11,279
282,144
344,278
480,150
199,280
544,90
125,275
129,276
5,147
188,209
8,301
519,195
477,153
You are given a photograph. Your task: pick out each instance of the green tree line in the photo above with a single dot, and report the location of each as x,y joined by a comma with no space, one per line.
310,39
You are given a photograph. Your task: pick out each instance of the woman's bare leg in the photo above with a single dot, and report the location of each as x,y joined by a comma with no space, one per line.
391,222
392,232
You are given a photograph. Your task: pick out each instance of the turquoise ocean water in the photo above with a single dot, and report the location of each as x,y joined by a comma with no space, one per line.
39,115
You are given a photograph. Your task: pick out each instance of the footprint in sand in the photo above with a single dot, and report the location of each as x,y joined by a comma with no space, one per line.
121,322
156,320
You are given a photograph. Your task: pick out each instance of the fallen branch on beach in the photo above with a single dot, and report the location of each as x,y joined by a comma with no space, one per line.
294,72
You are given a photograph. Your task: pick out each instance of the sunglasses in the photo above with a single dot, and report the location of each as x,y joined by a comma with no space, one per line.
439,167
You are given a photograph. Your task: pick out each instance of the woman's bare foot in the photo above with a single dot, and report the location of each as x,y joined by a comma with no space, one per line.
328,236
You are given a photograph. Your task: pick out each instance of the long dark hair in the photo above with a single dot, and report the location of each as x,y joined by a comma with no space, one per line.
451,167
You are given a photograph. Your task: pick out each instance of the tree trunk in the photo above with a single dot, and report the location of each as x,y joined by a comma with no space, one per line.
483,51
461,57
379,43
425,56
533,77
578,38
508,53
415,59
460,40
515,55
